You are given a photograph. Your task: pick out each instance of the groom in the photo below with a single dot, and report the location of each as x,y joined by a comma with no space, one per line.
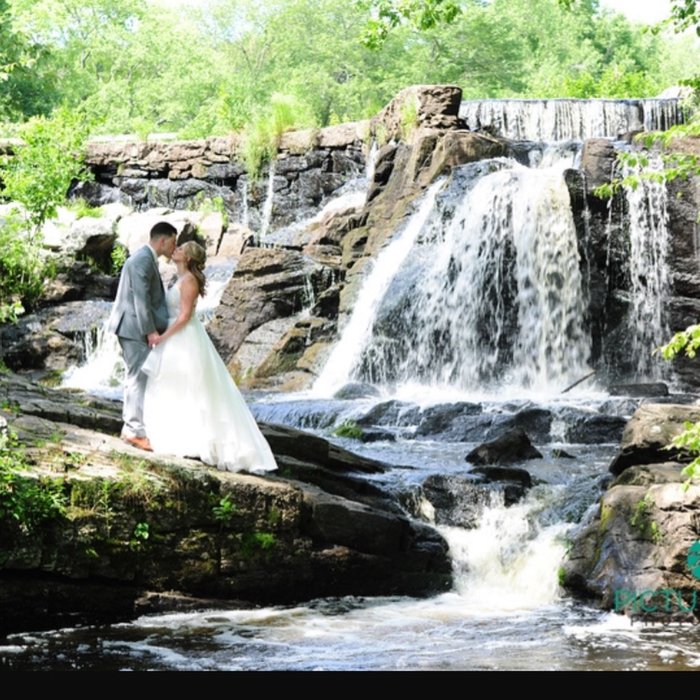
138,317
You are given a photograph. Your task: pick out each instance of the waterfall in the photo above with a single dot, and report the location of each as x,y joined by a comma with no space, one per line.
244,205
359,328
648,267
102,371
266,215
371,160
563,119
350,197
490,295
509,561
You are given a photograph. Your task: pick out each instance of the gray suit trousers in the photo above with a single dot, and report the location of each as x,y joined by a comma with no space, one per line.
135,353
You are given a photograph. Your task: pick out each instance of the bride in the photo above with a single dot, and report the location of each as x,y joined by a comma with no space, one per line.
192,407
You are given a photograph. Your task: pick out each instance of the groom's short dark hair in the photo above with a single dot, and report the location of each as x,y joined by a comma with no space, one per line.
161,229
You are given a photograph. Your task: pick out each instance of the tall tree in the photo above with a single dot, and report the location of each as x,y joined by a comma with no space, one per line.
23,90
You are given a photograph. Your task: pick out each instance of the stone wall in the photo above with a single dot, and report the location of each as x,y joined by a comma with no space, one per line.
310,166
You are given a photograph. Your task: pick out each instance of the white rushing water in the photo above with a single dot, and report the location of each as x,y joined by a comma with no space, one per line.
479,293
647,326
508,562
498,299
564,119
266,213
504,613
358,330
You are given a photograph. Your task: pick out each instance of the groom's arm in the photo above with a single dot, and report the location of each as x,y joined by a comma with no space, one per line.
141,281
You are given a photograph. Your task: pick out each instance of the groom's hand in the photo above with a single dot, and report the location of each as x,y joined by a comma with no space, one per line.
153,339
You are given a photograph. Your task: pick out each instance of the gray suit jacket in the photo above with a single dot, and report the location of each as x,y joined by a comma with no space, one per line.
139,308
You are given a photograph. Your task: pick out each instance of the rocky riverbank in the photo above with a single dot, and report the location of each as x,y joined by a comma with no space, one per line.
92,529
635,552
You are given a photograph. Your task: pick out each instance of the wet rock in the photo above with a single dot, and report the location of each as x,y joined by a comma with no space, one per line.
52,338
592,428
683,204
434,106
293,357
598,159
356,390
512,446
558,453
75,281
376,435
520,476
446,418
267,284
638,543
648,435
512,482
536,422
395,413
651,389
457,500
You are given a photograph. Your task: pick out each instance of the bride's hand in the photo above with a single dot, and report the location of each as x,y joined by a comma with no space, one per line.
153,339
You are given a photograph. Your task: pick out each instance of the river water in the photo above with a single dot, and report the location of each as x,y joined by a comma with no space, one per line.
505,612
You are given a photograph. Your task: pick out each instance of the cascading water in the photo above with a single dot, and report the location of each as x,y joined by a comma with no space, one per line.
359,329
509,561
481,289
492,293
482,286
266,214
351,196
504,613
244,204
563,119
649,276
371,160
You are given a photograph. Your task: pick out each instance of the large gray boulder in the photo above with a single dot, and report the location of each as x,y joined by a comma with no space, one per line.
648,435
632,553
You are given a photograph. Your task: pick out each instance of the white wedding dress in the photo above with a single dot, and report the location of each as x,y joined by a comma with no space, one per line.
192,406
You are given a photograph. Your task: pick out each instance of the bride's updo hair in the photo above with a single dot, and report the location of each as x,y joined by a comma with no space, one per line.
196,257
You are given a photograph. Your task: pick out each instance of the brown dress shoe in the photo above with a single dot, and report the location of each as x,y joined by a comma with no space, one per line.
143,443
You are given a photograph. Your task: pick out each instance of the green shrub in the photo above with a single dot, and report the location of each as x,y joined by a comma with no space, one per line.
408,117
225,510
642,521
24,498
82,209
23,270
118,256
262,135
140,536
686,342
348,429
211,205
255,542
51,157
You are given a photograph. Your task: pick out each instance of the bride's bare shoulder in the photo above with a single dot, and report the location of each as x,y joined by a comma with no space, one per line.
188,284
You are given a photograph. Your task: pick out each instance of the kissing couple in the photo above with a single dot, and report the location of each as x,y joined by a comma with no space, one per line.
179,398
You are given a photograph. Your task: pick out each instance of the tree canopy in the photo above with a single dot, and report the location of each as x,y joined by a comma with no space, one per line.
134,66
